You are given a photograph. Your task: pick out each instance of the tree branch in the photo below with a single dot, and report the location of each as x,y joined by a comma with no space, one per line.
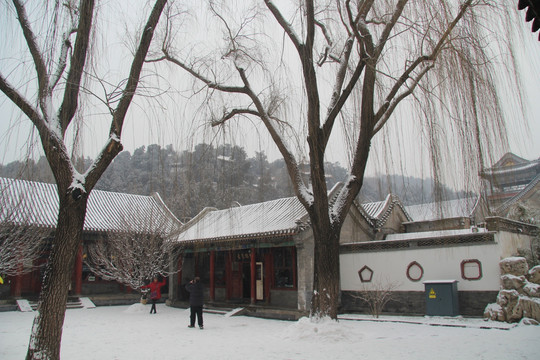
114,146
388,108
66,45
21,103
78,60
287,27
338,99
229,115
305,197
37,57
211,84
389,26
389,104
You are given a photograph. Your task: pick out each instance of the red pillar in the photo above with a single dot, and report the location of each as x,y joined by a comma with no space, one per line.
78,271
253,276
228,275
212,275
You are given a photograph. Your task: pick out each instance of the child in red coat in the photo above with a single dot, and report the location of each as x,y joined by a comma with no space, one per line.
155,291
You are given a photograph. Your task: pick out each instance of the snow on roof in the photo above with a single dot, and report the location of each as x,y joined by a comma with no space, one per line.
379,211
443,210
271,218
510,163
36,203
432,234
374,209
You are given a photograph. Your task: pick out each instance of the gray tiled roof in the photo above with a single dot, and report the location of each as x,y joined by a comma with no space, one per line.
267,219
36,203
443,210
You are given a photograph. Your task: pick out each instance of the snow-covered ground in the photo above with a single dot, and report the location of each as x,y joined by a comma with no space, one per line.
130,332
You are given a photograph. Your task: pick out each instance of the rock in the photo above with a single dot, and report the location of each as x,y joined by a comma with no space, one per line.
528,307
510,282
528,321
494,312
515,313
534,275
507,300
507,297
514,266
532,290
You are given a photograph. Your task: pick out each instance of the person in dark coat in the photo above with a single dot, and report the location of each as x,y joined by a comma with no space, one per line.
155,291
196,301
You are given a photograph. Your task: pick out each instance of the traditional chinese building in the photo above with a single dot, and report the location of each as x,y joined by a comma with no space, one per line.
263,253
34,205
450,241
509,177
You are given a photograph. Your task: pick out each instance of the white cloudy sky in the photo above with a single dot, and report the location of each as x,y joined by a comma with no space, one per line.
170,116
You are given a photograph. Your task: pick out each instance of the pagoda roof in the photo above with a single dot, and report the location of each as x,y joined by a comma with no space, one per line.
511,164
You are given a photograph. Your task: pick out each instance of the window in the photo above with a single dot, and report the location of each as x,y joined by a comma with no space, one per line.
284,263
471,269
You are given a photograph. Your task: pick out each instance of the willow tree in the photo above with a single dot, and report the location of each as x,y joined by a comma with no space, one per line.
347,64
60,58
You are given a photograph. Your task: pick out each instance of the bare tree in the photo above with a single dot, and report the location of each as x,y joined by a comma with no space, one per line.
59,62
376,295
21,240
134,255
373,55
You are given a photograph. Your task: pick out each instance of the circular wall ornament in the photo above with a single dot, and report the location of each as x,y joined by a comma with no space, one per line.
415,272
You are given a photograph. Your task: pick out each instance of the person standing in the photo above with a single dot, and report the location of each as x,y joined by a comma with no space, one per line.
155,291
196,301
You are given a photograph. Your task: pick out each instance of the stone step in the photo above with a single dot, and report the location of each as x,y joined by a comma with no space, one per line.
72,303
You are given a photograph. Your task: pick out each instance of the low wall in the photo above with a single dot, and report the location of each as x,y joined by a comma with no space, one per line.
284,298
471,303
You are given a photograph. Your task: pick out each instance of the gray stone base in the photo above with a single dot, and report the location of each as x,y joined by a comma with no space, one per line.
471,303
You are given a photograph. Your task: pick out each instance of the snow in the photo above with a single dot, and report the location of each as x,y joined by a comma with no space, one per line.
130,332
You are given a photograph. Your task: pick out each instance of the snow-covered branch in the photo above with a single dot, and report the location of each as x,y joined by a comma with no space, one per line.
37,57
287,27
20,241
134,255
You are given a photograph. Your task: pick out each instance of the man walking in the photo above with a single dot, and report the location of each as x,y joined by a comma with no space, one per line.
196,301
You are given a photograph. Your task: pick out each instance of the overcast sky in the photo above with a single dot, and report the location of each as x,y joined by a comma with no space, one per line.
168,114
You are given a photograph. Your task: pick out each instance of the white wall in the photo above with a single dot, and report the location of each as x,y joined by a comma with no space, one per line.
441,263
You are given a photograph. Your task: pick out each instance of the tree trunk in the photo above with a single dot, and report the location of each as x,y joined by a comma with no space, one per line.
47,328
325,300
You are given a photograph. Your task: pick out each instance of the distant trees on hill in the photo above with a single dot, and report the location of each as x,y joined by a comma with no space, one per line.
220,177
